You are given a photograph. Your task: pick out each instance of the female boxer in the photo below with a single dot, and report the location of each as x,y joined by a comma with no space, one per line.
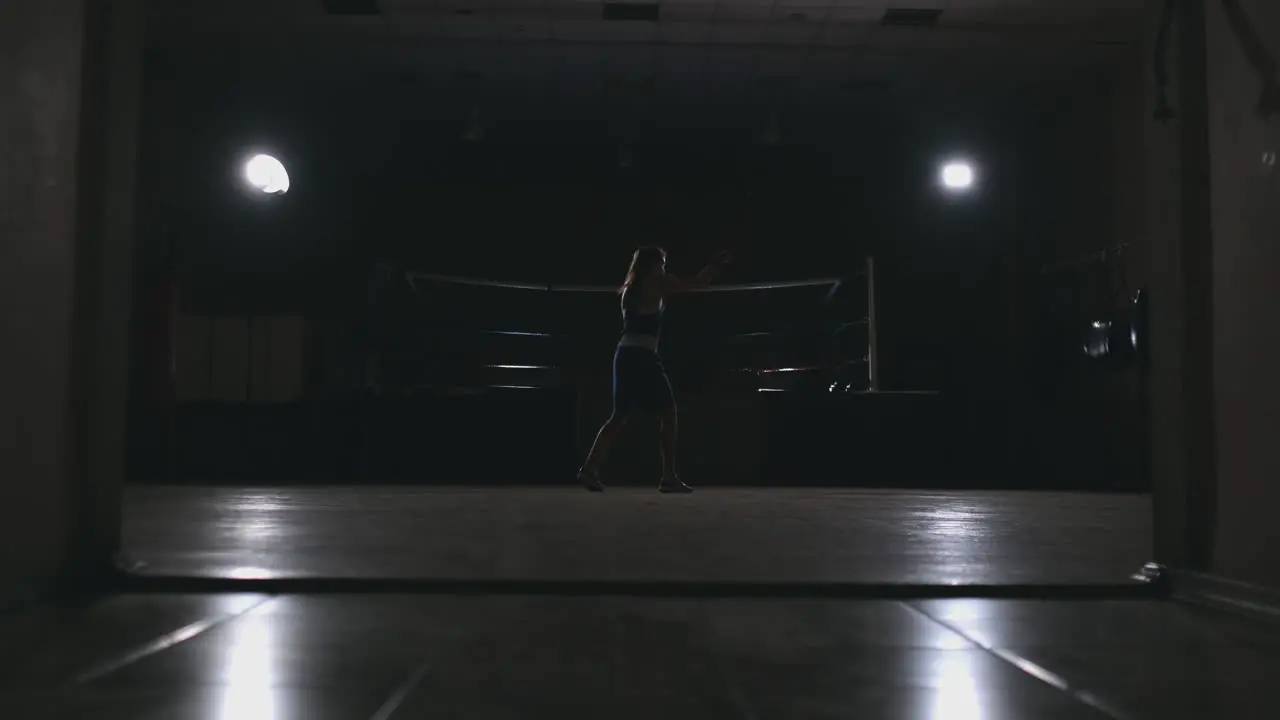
640,382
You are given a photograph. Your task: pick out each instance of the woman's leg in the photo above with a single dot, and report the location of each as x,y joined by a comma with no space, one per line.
623,399
668,425
668,433
604,442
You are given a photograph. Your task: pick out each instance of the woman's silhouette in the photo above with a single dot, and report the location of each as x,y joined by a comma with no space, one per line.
640,381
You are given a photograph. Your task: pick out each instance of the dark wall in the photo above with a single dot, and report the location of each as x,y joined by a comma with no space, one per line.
381,169
554,209
1081,260
384,173
376,175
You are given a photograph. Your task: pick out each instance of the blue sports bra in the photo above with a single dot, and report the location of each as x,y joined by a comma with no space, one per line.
640,323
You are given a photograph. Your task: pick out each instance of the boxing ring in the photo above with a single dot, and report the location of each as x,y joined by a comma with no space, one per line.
776,382
529,318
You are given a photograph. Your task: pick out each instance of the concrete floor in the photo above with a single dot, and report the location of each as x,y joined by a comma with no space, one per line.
247,657
717,534
391,656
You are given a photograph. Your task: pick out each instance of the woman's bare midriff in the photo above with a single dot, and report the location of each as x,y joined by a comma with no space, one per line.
644,341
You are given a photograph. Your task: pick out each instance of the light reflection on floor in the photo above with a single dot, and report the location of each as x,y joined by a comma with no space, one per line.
250,671
349,657
717,534
958,697
251,573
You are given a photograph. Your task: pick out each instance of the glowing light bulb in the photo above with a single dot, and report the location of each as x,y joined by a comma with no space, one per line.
267,174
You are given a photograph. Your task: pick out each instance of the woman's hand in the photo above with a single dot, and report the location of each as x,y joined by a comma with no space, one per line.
671,283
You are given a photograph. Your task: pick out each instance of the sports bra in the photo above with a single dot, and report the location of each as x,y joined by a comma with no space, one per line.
635,322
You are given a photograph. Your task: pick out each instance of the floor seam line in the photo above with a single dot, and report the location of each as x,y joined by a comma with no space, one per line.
1025,666
402,692
162,643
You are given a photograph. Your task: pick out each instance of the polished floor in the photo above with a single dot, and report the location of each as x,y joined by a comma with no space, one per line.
717,534
248,657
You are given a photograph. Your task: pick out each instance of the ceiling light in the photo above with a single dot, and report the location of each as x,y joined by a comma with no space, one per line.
267,174
957,176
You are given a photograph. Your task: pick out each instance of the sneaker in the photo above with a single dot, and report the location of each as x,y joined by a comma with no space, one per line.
590,480
674,485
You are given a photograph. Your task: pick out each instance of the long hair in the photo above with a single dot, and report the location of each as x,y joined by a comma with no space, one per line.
642,262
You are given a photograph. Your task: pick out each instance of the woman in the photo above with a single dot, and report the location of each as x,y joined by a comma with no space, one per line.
639,380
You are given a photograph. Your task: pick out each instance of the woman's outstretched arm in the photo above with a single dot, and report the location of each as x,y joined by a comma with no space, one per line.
705,277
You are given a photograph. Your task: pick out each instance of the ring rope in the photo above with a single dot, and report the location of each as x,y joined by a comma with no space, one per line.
413,277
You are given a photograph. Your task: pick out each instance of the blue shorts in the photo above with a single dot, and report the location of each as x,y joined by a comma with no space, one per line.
640,381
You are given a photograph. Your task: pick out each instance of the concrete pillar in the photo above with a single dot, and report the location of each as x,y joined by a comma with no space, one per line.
1215,301
1178,242
69,77
1198,448
1246,288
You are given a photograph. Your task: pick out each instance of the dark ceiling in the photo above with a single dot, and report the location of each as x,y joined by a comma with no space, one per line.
676,52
